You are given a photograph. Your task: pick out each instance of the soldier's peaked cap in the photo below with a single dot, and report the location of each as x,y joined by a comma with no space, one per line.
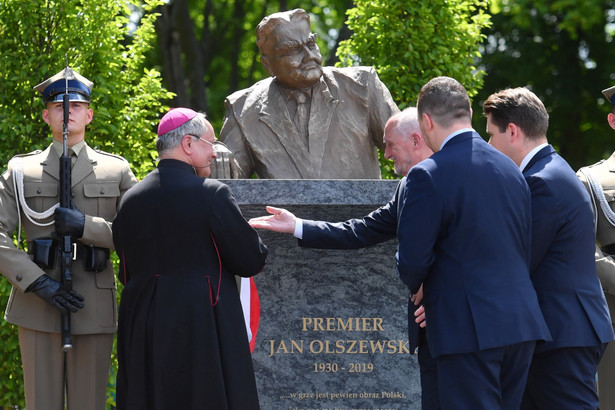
54,88
609,93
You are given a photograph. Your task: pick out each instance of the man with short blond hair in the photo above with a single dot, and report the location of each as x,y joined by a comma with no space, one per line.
29,192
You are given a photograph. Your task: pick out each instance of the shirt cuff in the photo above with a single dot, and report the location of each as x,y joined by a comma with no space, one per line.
298,228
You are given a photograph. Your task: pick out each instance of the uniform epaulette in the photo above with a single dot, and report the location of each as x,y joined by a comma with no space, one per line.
98,151
27,154
596,164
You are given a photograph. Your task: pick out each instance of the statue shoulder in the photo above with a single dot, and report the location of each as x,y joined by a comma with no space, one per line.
259,88
356,73
359,77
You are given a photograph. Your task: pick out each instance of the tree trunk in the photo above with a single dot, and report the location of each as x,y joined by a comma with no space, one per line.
170,50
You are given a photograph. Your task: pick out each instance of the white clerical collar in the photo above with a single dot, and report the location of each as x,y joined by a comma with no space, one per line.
531,154
455,134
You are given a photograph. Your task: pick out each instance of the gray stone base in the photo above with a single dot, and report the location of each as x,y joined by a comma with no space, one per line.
333,327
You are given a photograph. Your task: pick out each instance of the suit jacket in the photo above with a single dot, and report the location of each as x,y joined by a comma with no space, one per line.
562,267
379,226
349,108
99,180
604,174
464,232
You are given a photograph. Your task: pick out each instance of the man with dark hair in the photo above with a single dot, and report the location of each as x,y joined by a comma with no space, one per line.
599,180
464,234
562,267
305,121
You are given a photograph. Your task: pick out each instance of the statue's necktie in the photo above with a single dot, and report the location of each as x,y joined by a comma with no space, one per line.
301,115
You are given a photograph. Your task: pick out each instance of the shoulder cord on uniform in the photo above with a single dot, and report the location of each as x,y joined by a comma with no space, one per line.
599,193
17,167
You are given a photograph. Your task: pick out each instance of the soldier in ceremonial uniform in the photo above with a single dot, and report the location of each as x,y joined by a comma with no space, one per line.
599,179
29,200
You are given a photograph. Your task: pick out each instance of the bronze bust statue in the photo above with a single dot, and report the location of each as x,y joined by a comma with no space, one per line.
306,121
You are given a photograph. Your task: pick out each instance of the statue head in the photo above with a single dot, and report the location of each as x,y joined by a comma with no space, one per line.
288,49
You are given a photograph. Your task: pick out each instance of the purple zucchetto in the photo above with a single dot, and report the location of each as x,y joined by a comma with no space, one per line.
176,117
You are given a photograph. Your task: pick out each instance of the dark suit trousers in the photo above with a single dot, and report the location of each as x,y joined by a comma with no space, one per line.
417,337
488,379
429,375
563,378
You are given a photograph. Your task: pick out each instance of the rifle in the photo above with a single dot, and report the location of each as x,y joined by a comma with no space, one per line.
66,253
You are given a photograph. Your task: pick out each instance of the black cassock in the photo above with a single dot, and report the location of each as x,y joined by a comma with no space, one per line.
182,342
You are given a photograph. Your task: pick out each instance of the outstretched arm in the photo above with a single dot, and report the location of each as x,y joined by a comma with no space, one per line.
280,220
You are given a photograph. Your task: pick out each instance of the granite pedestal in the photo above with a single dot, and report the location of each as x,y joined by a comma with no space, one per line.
333,327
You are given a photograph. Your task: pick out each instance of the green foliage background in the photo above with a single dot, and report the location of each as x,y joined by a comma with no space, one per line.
411,45
563,50
408,46
36,36
207,49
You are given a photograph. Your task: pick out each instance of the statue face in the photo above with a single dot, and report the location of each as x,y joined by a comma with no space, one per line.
292,55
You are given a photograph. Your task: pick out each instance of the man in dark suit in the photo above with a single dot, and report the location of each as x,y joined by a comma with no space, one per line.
181,340
305,121
405,147
563,269
464,234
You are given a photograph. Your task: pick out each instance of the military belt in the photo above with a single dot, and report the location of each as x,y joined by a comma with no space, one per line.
45,252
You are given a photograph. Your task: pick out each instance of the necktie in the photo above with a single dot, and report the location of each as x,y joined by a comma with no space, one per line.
301,115
73,156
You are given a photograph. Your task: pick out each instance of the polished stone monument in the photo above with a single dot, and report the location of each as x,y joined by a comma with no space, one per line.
333,327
